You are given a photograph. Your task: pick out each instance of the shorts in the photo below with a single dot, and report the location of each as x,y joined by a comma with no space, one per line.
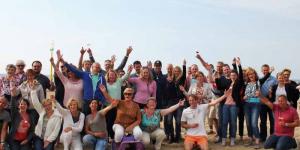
200,140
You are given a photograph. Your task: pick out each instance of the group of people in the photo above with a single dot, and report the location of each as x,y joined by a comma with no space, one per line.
93,106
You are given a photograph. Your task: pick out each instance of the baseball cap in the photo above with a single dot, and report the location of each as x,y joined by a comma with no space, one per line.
157,63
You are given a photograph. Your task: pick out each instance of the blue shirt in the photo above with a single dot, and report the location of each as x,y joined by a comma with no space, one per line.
267,85
149,124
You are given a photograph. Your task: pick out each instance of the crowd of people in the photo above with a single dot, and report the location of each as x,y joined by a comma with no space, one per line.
94,106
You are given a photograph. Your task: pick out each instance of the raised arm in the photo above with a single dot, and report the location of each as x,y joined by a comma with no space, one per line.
61,110
105,94
82,51
124,61
126,76
36,102
218,100
204,64
91,57
164,112
114,104
56,129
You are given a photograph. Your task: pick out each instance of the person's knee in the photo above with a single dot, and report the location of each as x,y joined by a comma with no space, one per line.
87,140
137,133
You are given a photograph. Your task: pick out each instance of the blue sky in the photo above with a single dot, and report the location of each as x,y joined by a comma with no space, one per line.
259,32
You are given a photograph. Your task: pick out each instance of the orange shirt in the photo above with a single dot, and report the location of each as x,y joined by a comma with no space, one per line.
127,113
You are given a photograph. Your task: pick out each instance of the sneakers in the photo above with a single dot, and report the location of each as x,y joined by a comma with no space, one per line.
223,142
218,139
232,141
257,146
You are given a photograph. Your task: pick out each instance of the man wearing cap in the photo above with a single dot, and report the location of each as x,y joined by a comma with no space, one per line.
20,73
160,83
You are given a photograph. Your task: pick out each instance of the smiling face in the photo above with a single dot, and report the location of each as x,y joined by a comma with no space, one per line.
282,102
23,106
128,93
145,73
93,105
193,101
47,104
37,67
111,76
96,68
73,105
177,72
151,104
233,76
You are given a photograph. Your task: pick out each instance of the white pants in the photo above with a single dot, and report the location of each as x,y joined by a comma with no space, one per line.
119,132
68,139
158,135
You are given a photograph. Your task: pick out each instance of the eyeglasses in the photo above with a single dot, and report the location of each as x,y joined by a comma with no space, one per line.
20,65
129,94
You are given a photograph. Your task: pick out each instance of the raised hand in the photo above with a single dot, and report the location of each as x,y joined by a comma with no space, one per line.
181,102
52,60
181,88
149,64
82,51
113,59
272,69
102,88
128,50
130,68
234,61
114,103
238,61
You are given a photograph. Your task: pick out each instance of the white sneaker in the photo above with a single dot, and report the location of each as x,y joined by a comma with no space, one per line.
232,141
223,142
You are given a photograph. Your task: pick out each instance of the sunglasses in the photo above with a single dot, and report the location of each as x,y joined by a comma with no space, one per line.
20,65
129,94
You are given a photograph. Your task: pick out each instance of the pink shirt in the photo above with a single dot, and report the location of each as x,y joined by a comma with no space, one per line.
287,116
144,89
72,89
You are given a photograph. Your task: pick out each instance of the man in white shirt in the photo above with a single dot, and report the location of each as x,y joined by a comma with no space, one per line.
193,119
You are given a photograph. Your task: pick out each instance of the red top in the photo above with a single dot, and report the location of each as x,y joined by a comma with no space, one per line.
22,131
287,116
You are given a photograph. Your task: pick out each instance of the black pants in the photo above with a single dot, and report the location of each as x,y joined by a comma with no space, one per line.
241,117
16,145
264,112
110,119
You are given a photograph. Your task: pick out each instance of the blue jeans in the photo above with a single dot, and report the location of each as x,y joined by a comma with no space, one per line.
252,111
39,144
98,143
280,142
229,117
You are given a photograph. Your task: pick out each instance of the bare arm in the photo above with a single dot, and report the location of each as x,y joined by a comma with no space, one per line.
105,94
108,108
218,100
82,51
185,125
164,112
266,102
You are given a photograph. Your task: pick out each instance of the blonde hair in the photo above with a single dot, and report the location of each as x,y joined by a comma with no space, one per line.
111,71
249,71
150,78
74,100
178,77
44,101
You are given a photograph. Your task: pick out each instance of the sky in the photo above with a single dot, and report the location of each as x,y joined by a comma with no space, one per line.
258,32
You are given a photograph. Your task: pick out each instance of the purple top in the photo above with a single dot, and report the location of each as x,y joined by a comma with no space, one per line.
144,90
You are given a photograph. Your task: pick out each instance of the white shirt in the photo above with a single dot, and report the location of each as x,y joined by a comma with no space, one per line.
279,91
197,115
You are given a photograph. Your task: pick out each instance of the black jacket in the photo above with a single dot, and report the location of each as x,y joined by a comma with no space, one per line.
291,92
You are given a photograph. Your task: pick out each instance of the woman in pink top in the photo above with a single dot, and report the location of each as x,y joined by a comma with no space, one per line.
145,87
73,85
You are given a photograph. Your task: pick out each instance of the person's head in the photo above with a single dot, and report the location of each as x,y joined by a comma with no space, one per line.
36,66
193,101
95,68
287,73
194,69
63,68
189,71
177,72
87,65
265,69
121,73
282,101
200,77
251,75
10,69
151,103
111,76
233,75
48,105
20,64
3,102
23,105
73,105
107,64
170,69
70,74
137,66
280,78
157,66
30,74
94,105
226,70
146,74
128,93
219,68
245,75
